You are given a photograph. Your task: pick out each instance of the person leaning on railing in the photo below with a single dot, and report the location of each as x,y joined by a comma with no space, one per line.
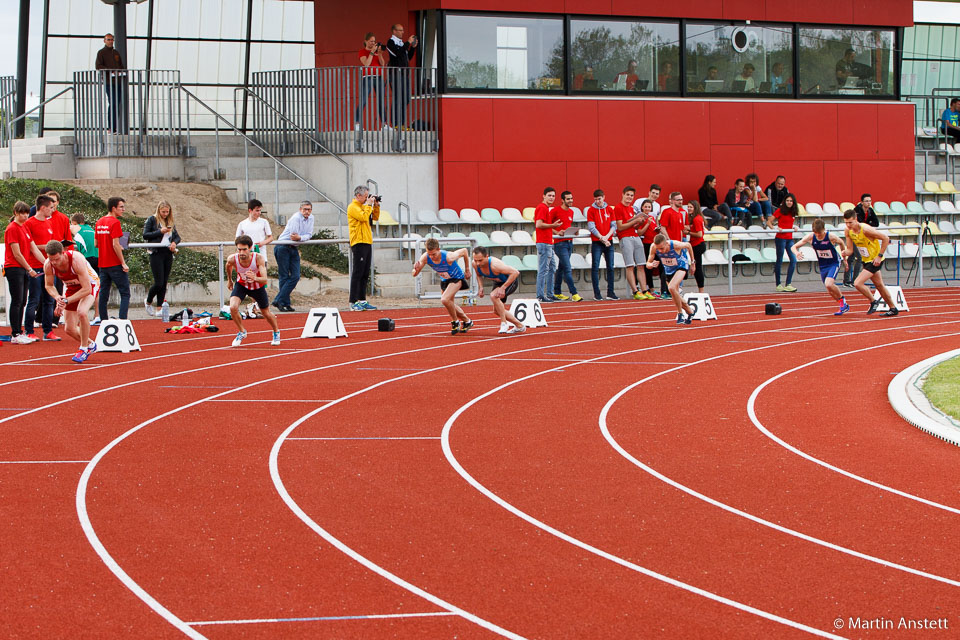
372,58
401,53
364,208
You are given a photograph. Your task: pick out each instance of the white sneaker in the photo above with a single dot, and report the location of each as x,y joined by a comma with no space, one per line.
505,327
149,308
519,329
276,339
20,339
240,336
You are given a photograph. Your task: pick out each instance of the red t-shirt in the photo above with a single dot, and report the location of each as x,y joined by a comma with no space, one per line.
106,229
20,235
624,213
784,221
565,216
672,222
42,233
696,226
545,213
61,227
374,68
603,218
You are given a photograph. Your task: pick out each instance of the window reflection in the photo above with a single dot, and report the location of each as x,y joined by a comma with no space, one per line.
848,62
624,56
739,59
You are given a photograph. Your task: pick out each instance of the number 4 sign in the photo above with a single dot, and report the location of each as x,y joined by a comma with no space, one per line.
323,322
701,305
898,299
118,336
528,312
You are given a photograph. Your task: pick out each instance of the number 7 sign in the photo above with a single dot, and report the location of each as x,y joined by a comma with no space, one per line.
324,322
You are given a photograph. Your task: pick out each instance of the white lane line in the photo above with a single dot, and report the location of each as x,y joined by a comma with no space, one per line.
194,386
44,461
751,411
374,616
375,438
259,400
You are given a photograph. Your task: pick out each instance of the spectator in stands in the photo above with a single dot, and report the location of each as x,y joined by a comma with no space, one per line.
110,64
563,248
714,211
256,228
299,229
43,191
776,191
401,53
865,215
673,218
113,266
372,58
545,221
784,217
585,78
647,229
950,120
60,228
737,201
363,208
160,229
845,67
696,232
600,219
666,80
39,301
761,206
85,239
18,270
746,77
631,246
629,77
652,195
778,84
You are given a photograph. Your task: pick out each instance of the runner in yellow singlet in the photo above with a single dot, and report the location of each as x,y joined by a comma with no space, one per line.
871,245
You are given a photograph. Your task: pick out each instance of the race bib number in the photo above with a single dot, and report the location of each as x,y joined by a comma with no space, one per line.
864,252
825,254
668,261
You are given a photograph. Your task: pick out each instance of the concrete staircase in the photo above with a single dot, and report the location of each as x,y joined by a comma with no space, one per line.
49,157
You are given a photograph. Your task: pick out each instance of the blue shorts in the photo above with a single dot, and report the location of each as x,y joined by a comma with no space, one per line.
829,271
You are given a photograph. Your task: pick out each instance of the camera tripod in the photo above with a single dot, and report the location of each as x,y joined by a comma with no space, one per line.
926,237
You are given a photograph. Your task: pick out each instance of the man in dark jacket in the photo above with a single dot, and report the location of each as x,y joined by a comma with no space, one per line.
737,201
400,55
777,191
111,65
865,215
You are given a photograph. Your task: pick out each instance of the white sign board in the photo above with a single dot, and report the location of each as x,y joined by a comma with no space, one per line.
898,299
701,305
323,322
528,312
118,336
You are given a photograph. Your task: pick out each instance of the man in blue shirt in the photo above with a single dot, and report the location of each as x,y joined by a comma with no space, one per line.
950,120
298,229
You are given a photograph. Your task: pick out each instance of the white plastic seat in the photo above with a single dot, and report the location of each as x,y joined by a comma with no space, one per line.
522,238
807,254
931,207
946,206
814,209
618,260
713,256
471,216
947,227
412,237
577,261
511,214
831,208
501,239
427,216
448,216
578,215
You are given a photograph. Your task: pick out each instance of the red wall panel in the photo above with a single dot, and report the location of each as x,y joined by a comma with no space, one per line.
837,186
460,185
816,11
676,130
520,183
620,126
478,144
729,162
582,179
857,131
778,127
744,10
885,179
804,178
731,122
685,8
549,129
894,117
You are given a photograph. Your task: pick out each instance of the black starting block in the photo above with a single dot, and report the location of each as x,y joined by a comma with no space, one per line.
773,309
385,324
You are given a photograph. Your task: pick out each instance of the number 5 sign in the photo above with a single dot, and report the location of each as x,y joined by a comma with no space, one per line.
701,306
118,336
323,322
528,312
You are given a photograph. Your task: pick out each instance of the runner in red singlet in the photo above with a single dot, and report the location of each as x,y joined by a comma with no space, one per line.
80,294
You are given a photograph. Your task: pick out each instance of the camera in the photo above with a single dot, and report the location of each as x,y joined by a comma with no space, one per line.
378,198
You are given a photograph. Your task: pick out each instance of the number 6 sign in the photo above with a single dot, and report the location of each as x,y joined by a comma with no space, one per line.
323,322
118,336
528,312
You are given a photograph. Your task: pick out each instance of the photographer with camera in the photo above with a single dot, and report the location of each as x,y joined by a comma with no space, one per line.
363,208
372,59
401,53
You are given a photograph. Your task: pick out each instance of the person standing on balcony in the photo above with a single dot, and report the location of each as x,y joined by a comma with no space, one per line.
111,65
401,53
364,208
372,58
298,229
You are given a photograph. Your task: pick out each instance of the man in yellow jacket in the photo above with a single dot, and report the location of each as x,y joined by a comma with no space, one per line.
364,208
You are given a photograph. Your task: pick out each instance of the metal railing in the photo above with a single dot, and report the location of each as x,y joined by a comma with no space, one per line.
8,105
129,113
10,123
353,109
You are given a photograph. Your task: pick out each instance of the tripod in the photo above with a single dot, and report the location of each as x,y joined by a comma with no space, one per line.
926,236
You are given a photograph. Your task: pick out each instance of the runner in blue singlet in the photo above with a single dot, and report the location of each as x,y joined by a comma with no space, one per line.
674,257
828,259
505,280
453,278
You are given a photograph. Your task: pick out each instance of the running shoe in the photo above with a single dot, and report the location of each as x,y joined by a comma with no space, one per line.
781,288
519,329
680,318
688,320
240,336
454,327
367,306
612,296
96,322
873,306
20,338
276,339
81,356
665,295
789,288
51,337
638,296
560,296
892,312
466,325
545,300
91,348
576,297
598,298
504,328
149,308
649,296
32,337
843,309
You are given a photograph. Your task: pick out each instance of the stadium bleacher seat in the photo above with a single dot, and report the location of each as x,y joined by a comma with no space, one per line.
577,261
515,262
947,227
929,186
471,216
846,205
530,262
831,209
513,215
482,238
947,187
618,260
882,208
578,215
501,239
947,206
933,228
426,216
448,216
522,238
898,207
455,236
802,209
931,207
914,207
528,213
412,244
814,209
492,216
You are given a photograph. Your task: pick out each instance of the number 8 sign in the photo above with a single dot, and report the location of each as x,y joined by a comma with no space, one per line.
528,312
117,336
324,322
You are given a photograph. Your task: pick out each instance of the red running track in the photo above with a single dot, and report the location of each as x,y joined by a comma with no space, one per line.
612,475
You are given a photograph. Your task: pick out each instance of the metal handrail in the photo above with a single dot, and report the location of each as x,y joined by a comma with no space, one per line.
247,139
22,116
298,129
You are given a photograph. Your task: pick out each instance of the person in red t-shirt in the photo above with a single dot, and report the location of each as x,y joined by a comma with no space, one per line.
545,222
563,248
647,230
631,246
38,300
785,217
59,222
113,266
699,247
372,58
19,244
600,222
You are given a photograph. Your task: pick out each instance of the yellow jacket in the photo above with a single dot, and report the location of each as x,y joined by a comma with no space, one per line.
358,221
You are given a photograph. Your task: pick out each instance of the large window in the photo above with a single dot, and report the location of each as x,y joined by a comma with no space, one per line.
609,55
847,62
501,52
742,59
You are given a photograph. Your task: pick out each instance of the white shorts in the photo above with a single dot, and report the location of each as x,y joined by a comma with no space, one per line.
632,249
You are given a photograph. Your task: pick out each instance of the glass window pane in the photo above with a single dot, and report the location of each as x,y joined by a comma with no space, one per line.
735,59
624,56
501,52
851,62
